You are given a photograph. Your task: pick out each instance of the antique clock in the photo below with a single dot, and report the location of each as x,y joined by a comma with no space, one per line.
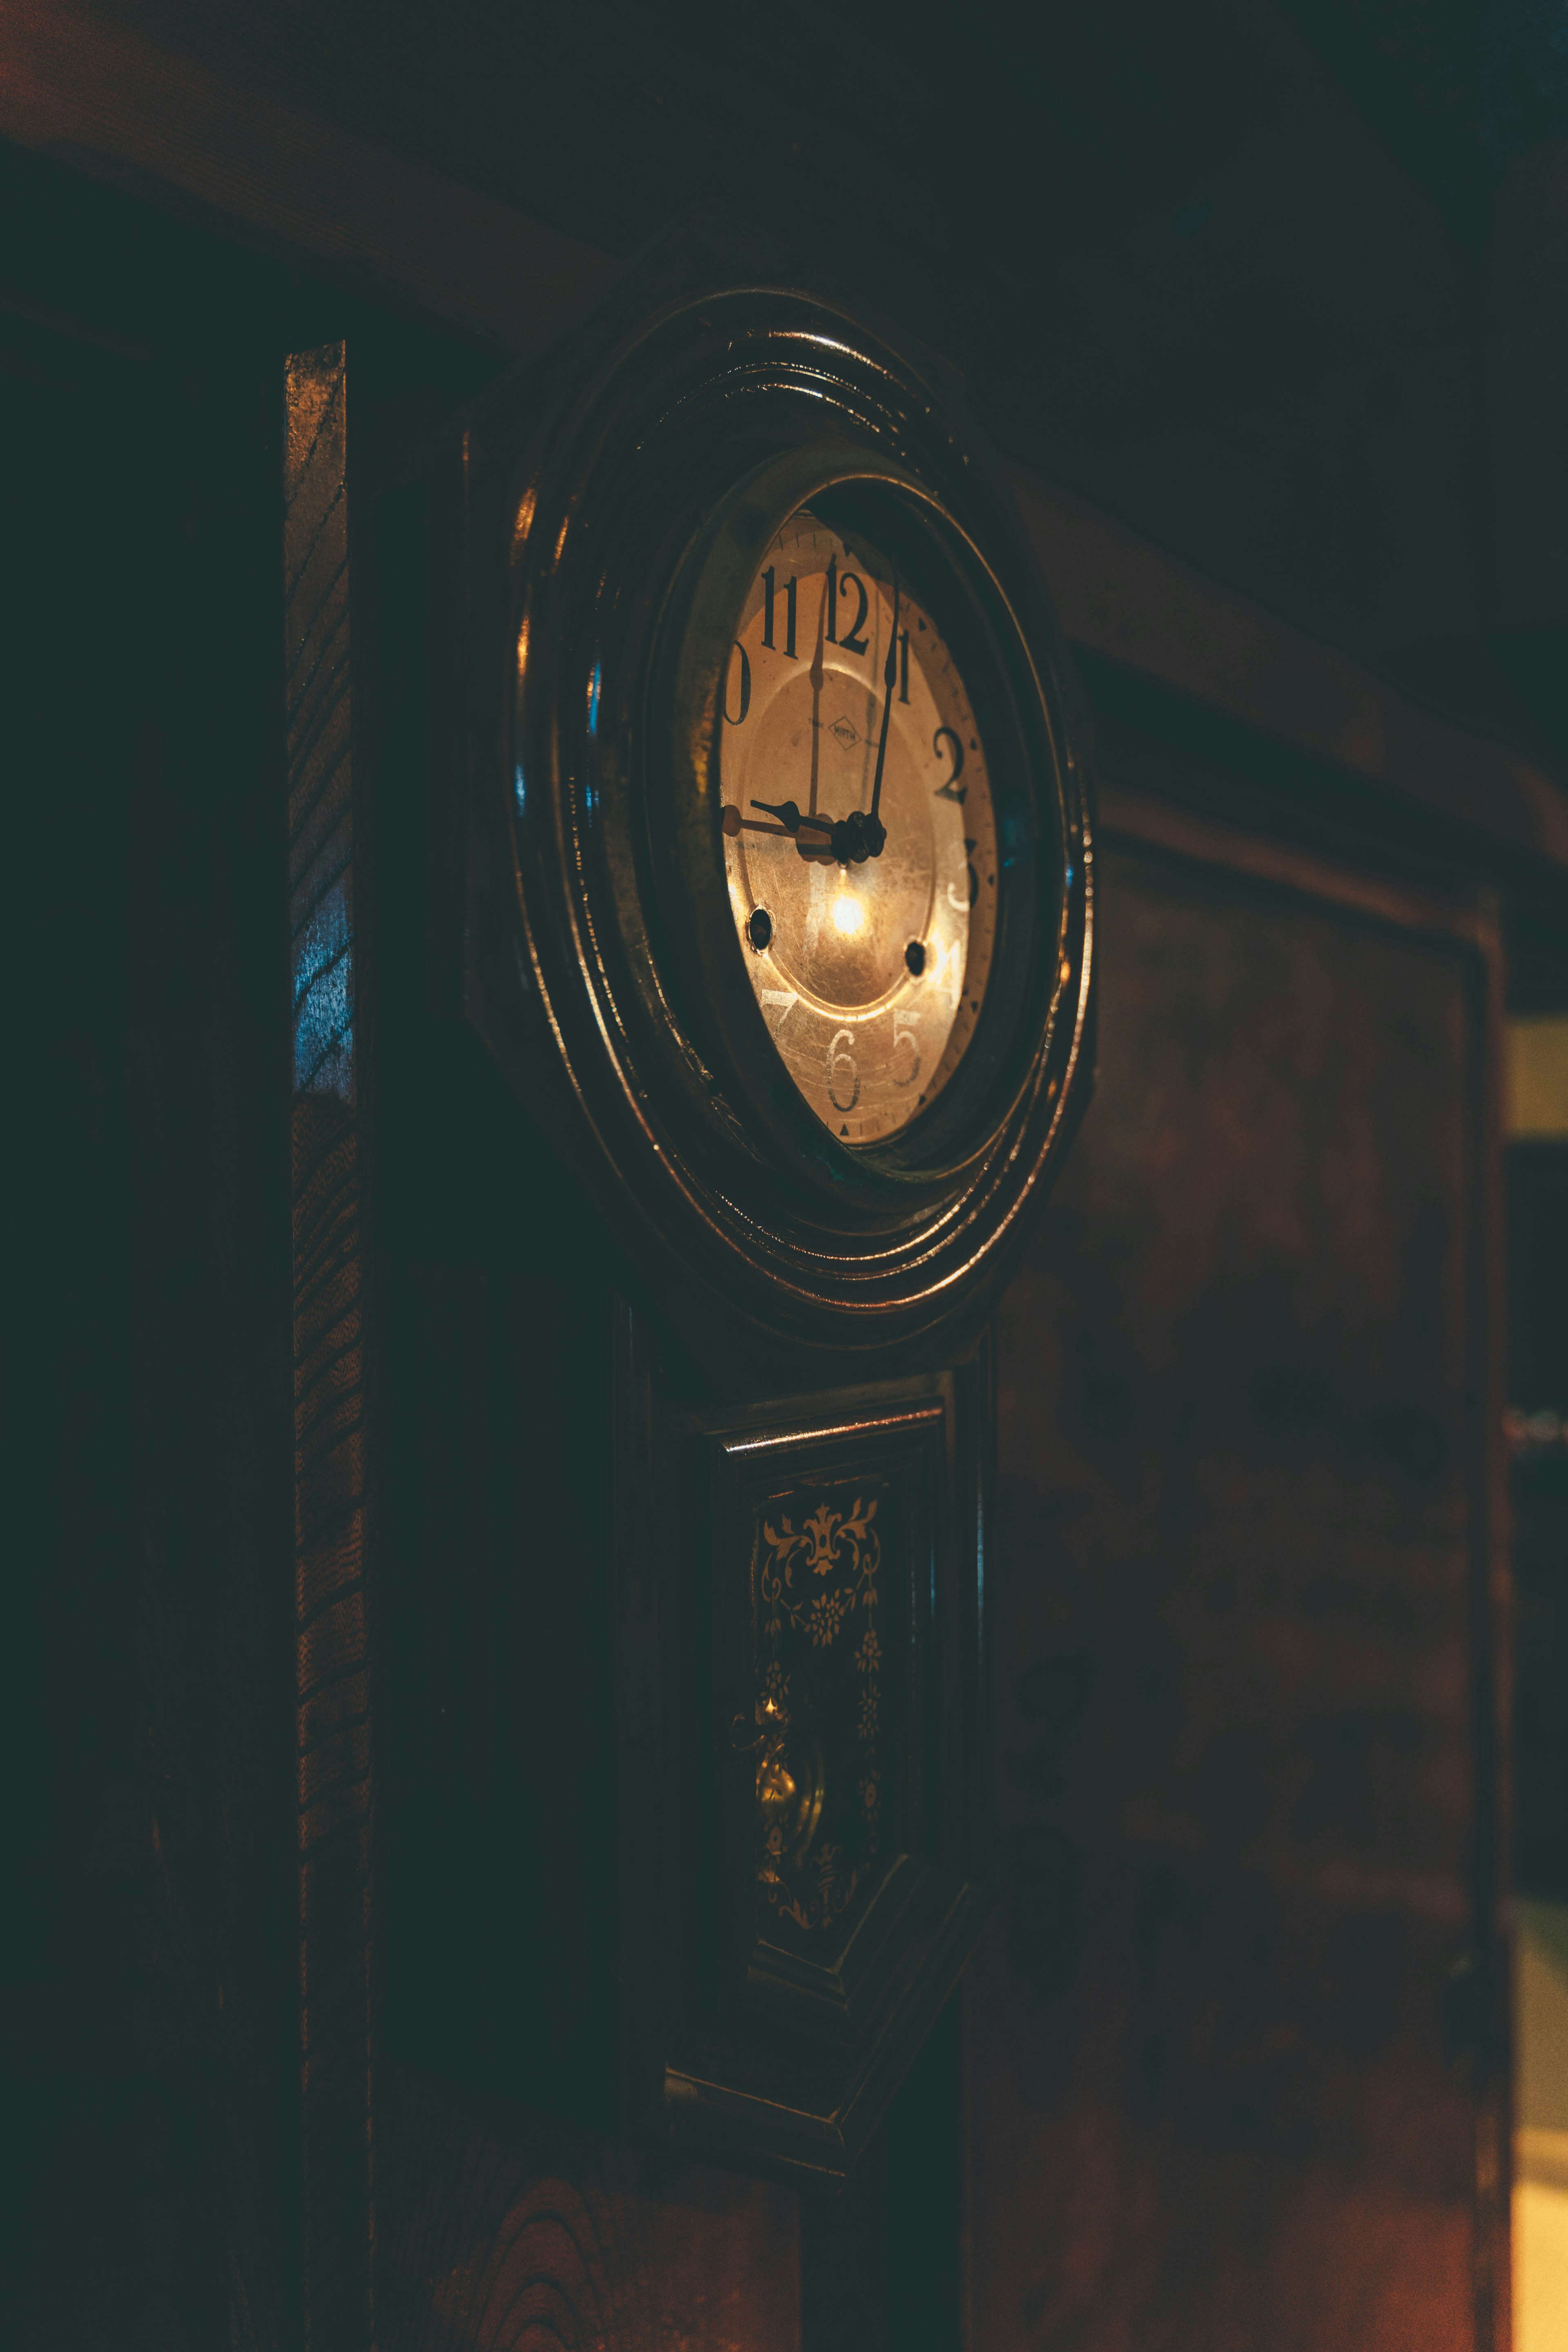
776,928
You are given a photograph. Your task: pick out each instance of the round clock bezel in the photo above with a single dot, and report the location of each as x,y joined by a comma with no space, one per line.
630,522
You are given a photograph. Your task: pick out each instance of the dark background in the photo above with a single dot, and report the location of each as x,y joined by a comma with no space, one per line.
1281,289
1278,285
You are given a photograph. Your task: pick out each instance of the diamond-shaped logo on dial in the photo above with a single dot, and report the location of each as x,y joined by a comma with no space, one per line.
845,733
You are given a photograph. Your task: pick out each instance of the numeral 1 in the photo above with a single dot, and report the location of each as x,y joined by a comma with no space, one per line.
790,594
903,665
832,630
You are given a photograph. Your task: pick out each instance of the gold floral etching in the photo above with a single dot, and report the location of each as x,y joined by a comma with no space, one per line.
820,1643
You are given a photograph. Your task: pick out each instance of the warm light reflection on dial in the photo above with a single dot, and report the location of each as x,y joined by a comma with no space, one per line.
871,973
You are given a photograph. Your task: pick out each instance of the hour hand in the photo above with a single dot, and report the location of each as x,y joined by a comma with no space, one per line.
792,817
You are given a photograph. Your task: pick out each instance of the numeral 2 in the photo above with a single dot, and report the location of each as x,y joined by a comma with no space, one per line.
952,790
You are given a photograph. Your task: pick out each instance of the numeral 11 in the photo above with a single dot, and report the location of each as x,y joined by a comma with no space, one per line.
790,653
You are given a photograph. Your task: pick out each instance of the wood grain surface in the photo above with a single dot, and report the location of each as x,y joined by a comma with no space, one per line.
1225,2093
1144,609
507,2234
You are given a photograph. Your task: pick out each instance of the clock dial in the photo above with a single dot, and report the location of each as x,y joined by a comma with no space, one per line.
860,838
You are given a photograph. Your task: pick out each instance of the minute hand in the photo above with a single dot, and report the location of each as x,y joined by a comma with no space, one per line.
876,832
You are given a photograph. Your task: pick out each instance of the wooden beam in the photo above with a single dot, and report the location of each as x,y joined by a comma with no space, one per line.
109,100
1131,601
1128,814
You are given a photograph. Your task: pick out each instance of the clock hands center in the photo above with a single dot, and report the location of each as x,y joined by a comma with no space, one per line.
847,841
792,817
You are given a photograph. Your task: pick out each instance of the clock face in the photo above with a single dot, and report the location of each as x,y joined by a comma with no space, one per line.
859,837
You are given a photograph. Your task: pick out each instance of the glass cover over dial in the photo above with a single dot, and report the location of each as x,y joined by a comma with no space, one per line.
860,838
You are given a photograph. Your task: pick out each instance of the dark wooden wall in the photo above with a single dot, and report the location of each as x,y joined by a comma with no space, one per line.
502,2230
1225,2080
146,1962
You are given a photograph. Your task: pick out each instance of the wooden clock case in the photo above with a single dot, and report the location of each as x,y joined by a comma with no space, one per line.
738,1658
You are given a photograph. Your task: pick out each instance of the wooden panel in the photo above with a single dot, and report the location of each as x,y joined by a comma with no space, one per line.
1149,611
145,2032
505,2232
1220,2096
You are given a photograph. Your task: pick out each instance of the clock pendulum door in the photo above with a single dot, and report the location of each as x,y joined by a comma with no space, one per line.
803,1729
